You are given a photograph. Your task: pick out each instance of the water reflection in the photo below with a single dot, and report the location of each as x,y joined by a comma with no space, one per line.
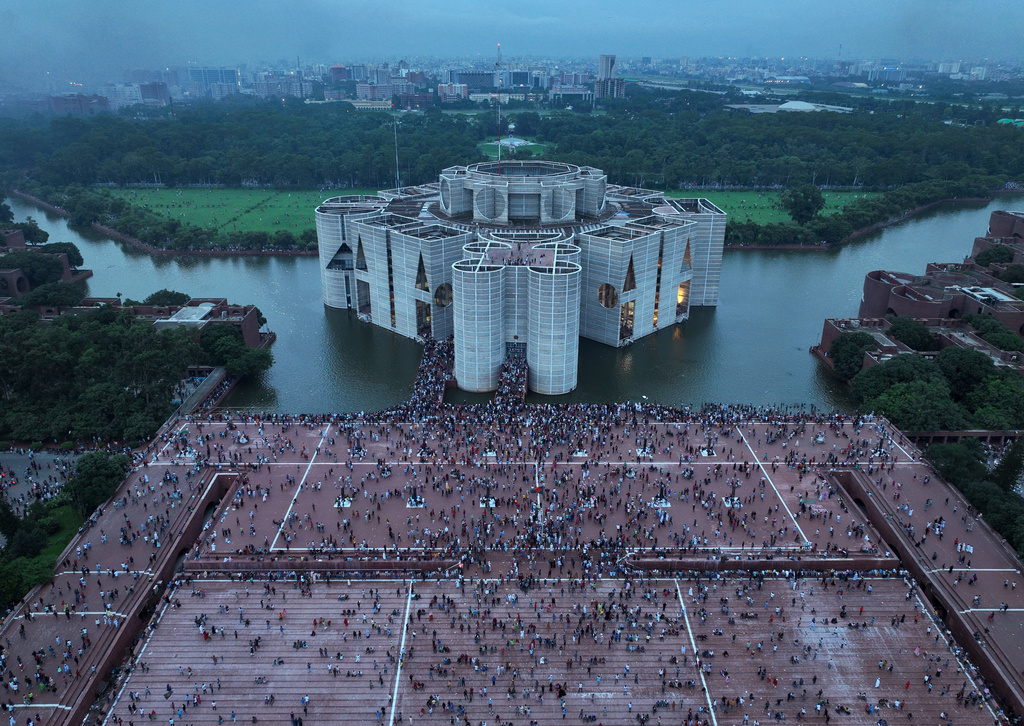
753,348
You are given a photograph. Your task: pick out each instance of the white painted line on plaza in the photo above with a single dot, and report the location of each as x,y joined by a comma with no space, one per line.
767,476
39,705
992,610
83,613
284,521
910,457
121,573
536,478
975,569
942,633
693,645
401,652
173,438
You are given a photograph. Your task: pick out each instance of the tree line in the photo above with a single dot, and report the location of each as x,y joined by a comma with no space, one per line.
103,374
957,389
915,153
34,539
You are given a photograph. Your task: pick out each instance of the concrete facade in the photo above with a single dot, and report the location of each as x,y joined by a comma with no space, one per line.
523,192
520,258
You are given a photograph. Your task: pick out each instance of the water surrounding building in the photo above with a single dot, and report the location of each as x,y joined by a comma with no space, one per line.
941,297
523,258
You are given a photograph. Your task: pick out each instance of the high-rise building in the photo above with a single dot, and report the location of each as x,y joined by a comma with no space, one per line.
521,257
122,95
478,80
202,80
374,91
607,85
450,92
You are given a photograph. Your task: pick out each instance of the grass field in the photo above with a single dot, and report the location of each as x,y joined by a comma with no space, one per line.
69,523
242,210
489,148
236,210
762,206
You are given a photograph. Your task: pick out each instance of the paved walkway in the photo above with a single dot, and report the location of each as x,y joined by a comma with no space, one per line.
540,523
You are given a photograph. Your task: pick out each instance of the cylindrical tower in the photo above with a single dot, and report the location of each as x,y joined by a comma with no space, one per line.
553,337
337,255
479,318
562,251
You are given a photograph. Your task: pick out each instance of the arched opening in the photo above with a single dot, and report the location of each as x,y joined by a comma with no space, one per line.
443,295
607,295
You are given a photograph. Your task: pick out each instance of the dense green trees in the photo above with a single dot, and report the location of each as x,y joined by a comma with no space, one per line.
994,332
992,493
97,476
242,144
658,139
1013,274
803,202
102,374
68,248
165,298
53,294
39,269
959,464
999,253
847,353
960,389
222,345
1006,473
912,333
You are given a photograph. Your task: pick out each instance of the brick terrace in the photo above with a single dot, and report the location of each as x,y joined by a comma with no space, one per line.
595,529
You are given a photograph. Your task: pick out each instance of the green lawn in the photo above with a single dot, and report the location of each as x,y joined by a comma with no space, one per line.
489,148
242,210
236,210
69,524
762,206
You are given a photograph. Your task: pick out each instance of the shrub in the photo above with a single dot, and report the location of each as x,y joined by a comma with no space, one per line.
912,333
847,353
999,253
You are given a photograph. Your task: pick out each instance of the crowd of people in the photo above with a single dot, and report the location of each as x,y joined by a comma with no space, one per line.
543,507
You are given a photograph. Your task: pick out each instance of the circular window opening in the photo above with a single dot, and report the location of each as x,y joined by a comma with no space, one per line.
607,295
443,295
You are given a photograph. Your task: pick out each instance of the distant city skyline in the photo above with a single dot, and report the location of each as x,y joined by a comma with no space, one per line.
71,41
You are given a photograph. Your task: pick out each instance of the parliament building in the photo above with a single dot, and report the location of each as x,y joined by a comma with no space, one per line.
520,258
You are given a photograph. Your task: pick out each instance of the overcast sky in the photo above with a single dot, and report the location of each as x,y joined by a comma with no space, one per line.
94,40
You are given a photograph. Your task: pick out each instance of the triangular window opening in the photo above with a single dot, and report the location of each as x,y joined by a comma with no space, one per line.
360,255
686,255
421,276
630,283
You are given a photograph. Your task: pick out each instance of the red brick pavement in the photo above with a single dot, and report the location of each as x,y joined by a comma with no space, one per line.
594,510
